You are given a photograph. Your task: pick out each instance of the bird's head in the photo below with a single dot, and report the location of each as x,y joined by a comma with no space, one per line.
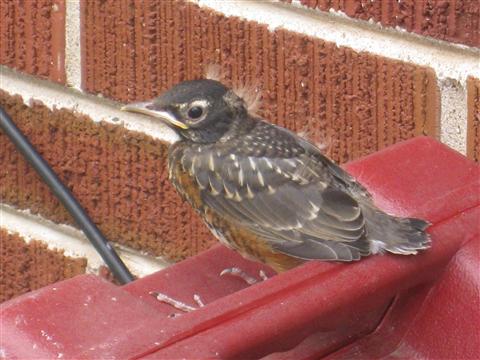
201,111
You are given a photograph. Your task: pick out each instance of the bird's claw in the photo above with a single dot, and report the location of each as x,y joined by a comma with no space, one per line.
178,304
198,300
250,280
262,274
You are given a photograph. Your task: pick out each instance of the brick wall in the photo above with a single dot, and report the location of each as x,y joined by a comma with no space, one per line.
455,21
32,265
357,82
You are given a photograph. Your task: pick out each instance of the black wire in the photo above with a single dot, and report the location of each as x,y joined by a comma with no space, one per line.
101,244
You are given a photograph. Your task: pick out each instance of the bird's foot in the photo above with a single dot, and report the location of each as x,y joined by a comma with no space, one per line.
178,304
250,280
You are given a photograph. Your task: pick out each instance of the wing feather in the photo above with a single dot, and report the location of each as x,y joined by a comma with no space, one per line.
292,203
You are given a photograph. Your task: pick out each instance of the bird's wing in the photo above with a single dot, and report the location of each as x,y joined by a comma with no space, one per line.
343,179
292,203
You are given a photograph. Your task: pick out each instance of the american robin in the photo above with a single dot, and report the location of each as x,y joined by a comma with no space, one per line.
265,191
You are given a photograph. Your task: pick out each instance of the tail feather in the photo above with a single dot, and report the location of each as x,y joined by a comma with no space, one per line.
418,223
404,236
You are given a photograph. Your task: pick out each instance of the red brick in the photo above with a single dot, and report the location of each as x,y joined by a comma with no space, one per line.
120,177
356,102
473,122
27,267
455,21
32,37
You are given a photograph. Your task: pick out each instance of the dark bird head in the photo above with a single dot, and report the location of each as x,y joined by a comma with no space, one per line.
201,111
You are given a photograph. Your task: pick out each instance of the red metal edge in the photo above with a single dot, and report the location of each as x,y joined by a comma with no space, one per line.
419,177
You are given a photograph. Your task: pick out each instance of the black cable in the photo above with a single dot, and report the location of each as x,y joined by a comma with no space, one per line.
101,244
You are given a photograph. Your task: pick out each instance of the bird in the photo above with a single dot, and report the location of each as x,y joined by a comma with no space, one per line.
267,192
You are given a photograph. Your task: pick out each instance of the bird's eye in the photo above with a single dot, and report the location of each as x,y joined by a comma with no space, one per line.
195,112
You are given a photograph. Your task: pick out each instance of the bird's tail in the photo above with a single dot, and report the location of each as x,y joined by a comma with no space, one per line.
404,236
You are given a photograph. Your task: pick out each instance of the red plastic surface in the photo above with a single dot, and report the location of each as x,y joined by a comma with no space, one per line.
86,317
383,306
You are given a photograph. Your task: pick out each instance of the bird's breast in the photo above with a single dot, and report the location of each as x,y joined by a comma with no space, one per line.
181,179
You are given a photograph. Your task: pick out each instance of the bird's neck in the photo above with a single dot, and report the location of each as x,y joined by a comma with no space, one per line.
239,127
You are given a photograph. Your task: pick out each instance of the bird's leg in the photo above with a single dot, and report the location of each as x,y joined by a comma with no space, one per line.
250,280
262,274
234,271
178,304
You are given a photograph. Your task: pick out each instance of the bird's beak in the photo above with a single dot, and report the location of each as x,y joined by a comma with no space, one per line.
146,108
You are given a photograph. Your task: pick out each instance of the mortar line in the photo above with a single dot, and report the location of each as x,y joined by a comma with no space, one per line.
378,26
448,60
453,114
73,54
72,241
56,96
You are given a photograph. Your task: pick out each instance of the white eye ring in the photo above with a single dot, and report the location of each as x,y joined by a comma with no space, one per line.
197,109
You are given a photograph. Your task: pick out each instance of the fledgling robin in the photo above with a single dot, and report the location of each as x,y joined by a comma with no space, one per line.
267,192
